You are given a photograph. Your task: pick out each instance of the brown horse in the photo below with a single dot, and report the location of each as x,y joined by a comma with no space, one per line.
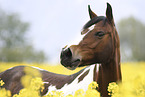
99,45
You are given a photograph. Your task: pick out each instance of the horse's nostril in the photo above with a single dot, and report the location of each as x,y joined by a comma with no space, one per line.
66,53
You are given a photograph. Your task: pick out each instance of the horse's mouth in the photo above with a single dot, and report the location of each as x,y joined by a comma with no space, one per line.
72,65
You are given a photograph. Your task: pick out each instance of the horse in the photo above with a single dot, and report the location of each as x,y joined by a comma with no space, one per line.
99,50
100,45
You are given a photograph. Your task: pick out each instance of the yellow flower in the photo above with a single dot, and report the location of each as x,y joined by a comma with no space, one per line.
93,85
30,73
79,93
133,81
113,88
70,95
15,95
141,92
5,93
36,83
1,82
55,94
92,93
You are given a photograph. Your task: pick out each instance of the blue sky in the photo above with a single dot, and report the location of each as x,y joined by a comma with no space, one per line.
56,23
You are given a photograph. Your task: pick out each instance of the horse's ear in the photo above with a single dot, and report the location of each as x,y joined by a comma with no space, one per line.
109,14
91,13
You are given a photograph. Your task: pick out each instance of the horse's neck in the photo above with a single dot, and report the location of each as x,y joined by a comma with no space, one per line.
109,72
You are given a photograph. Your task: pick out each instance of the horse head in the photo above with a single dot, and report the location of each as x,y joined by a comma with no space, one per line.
97,46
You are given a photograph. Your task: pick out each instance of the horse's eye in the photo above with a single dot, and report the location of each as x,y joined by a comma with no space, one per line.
99,34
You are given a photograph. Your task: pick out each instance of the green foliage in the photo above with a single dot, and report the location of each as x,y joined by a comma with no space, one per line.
14,44
132,33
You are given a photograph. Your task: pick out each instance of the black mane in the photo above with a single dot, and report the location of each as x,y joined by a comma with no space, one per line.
94,21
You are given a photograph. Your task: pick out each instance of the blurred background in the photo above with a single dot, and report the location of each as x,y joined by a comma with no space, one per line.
36,30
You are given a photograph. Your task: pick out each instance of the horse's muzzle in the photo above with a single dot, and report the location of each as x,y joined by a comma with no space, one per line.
67,60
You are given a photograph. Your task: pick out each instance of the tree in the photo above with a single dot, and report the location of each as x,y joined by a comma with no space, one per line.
14,43
132,38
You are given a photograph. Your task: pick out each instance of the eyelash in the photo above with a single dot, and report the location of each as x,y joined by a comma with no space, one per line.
100,34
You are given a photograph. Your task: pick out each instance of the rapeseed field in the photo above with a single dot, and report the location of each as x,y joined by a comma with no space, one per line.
133,82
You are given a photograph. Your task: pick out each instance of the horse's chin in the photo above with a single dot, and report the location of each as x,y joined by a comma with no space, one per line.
82,64
71,68
72,65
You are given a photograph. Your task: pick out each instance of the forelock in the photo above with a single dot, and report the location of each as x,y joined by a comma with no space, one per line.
92,22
